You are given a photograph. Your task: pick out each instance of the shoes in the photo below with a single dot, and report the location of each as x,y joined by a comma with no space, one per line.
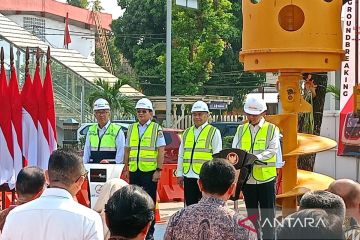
149,237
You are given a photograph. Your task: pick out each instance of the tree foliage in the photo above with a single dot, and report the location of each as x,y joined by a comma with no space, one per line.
78,3
121,106
205,43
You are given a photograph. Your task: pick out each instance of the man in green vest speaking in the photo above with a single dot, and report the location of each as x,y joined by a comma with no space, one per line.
198,144
260,138
144,152
105,141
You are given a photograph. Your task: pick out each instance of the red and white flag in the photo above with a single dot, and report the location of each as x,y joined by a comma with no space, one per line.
51,120
29,122
7,174
67,38
15,101
43,153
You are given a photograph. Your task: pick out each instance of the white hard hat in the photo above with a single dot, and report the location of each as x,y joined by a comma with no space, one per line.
254,105
145,104
199,106
101,104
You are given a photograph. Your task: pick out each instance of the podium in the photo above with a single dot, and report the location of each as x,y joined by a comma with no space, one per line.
98,175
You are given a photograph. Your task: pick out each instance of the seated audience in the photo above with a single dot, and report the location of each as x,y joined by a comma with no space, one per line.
311,224
349,190
107,190
55,214
210,218
30,183
325,200
129,213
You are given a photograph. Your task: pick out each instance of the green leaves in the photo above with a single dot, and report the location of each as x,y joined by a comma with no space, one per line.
78,3
121,106
205,44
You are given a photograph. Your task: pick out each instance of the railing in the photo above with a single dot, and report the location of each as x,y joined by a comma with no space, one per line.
71,103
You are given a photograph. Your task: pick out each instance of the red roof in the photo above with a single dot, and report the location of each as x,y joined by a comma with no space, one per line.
52,7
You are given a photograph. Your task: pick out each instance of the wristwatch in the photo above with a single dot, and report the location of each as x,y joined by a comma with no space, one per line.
158,169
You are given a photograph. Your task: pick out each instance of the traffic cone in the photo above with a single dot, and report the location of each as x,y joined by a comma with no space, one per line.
157,214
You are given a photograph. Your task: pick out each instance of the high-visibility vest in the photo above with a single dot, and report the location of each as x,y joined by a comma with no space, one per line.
260,173
143,152
199,152
103,147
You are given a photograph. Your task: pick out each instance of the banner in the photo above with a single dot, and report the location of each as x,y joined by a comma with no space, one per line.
349,125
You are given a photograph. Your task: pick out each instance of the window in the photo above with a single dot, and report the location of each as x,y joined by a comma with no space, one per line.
36,26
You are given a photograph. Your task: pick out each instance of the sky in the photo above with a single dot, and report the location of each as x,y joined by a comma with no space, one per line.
110,6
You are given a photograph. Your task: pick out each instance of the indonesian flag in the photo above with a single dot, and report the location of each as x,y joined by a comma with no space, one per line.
67,38
15,101
6,141
43,153
51,121
29,122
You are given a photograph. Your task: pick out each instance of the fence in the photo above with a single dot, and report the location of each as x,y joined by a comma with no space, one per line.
186,121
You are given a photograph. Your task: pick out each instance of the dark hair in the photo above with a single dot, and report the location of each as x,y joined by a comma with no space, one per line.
65,167
217,176
128,211
325,200
30,181
311,224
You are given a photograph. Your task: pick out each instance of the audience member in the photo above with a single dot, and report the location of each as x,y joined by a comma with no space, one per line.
210,219
129,213
107,190
325,200
55,214
30,183
311,224
349,190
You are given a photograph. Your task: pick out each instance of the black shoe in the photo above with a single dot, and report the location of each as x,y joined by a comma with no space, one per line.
149,237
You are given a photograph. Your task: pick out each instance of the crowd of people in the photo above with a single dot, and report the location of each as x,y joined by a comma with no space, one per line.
47,208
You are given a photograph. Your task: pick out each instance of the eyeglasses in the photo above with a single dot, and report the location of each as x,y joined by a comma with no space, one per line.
83,175
99,112
142,111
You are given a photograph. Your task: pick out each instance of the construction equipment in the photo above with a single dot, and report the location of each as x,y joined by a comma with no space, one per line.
102,40
289,37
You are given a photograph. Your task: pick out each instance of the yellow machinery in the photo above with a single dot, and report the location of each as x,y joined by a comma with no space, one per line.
291,37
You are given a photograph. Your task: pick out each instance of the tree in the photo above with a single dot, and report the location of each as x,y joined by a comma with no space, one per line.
121,70
78,3
229,78
198,39
121,106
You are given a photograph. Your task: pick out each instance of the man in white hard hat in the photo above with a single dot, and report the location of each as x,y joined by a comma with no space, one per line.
260,138
105,141
144,152
198,144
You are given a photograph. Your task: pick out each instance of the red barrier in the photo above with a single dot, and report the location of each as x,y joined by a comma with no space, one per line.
168,189
83,195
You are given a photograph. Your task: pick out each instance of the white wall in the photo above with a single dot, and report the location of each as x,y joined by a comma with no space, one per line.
82,40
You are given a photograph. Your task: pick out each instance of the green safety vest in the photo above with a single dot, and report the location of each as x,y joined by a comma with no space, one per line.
143,151
199,152
103,147
260,173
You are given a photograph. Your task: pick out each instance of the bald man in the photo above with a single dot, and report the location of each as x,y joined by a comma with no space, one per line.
349,190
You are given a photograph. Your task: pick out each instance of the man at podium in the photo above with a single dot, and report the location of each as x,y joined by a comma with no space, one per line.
105,141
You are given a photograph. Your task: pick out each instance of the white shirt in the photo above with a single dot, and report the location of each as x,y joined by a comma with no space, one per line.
119,141
53,216
267,153
160,141
216,146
